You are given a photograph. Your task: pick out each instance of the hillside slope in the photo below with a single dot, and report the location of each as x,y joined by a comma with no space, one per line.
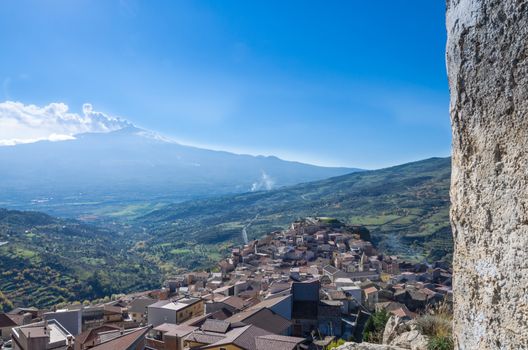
406,208
46,260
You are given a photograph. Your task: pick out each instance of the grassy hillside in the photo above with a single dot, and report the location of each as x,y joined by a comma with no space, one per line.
405,207
45,261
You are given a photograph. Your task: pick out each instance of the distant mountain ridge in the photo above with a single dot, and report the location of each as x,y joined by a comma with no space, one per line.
132,164
406,207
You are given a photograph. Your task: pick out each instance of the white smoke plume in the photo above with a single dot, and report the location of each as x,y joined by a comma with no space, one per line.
265,183
20,123
244,235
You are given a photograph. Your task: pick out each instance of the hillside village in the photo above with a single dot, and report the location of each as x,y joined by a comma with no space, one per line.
301,288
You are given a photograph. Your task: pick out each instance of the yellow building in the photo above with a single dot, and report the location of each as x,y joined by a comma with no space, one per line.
174,311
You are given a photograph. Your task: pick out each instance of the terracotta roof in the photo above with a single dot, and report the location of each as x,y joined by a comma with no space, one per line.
241,316
277,287
23,310
9,320
270,302
198,320
201,275
139,305
336,295
233,301
247,340
213,296
277,342
402,312
221,314
90,334
204,338
263,318
222,289
216,326
175,330
127,341
371,290
429,292
417,295
242,337
181,331
110,309
330,269
399,292
389,305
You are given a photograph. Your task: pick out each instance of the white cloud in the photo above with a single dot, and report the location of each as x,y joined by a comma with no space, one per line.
21,123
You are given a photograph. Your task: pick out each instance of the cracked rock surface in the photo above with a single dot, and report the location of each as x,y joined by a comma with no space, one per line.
487,59
368,346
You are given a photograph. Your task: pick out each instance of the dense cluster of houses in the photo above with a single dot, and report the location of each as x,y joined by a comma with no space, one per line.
300,288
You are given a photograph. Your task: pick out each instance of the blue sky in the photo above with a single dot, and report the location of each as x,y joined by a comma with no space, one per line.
355,83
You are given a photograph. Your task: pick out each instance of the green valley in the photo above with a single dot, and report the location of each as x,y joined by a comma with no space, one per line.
46,260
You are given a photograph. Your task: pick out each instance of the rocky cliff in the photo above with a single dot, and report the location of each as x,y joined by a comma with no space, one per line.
398,335
368,346
487,59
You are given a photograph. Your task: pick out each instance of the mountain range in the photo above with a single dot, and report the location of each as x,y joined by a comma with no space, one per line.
132,165
151,207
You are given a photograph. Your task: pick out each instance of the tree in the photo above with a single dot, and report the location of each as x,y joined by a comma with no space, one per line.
375,327
5,304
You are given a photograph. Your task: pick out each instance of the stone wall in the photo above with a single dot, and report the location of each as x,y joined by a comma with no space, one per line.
487,59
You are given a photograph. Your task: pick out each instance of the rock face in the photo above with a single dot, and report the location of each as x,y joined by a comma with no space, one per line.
412,340
393,328
404,335
398,335
367,346
487,59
